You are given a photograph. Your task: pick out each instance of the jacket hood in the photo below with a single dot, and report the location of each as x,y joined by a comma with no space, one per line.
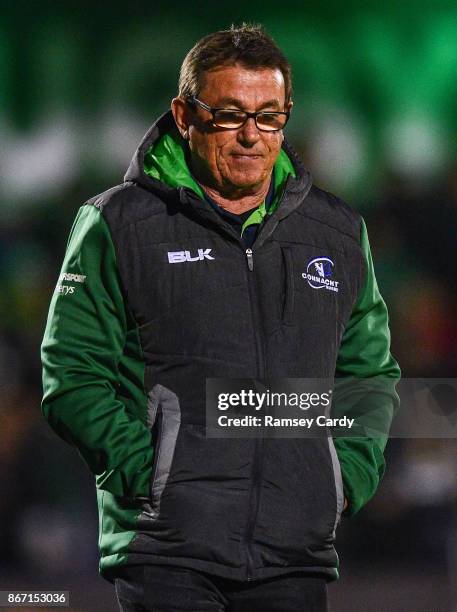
159,163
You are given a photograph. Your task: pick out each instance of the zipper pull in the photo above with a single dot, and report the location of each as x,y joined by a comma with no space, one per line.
250,259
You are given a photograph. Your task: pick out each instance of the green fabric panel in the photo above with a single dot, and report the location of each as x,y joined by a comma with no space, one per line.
165,161
111,562
82,352
367,389
113,539
131,390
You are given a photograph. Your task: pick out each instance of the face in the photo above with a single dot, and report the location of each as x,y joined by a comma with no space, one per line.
239,160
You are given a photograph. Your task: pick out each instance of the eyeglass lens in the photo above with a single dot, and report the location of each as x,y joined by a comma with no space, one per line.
234,119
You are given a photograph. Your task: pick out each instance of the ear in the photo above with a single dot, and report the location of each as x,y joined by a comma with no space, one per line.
180,112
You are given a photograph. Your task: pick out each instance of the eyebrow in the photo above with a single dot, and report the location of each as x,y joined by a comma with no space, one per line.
234,102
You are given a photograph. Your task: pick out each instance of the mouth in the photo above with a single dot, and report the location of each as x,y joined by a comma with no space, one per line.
248,156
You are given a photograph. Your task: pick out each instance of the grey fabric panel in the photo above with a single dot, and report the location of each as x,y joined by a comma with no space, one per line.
162,398
153,404
337,475
338,483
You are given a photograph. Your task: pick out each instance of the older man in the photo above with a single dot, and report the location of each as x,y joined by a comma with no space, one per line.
216,258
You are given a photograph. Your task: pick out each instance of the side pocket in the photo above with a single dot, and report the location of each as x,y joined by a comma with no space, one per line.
289,289
339,491
164,419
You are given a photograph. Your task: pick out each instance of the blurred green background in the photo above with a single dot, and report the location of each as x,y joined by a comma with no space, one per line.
375,92
376,88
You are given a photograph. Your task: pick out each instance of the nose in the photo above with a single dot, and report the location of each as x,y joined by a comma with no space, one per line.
249,133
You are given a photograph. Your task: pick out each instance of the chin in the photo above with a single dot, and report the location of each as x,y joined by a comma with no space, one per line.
247,181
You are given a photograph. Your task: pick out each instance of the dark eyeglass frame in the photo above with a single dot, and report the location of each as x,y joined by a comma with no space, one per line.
195,101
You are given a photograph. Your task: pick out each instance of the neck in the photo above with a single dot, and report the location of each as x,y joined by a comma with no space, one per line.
238,202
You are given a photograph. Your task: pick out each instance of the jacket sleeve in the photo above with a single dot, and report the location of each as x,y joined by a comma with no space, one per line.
366,376
83,343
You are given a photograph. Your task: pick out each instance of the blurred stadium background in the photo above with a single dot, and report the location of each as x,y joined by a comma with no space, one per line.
375,120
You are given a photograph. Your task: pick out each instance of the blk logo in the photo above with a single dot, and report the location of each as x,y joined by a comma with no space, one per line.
183,256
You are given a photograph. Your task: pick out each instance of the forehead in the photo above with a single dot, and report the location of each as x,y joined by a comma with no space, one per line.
252,87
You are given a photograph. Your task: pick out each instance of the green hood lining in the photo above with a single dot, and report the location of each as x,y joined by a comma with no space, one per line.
165,161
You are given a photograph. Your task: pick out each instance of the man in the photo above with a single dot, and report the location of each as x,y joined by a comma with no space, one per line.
212,260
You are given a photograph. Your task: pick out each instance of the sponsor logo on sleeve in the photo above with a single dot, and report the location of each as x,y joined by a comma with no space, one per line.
75,278
65,289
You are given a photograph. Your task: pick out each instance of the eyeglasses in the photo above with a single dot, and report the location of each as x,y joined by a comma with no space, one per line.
231,119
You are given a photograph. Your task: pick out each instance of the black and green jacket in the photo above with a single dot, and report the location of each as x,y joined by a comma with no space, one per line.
131,339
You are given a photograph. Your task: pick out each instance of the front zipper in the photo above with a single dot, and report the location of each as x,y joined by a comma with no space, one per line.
259,442
261,370
250,259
